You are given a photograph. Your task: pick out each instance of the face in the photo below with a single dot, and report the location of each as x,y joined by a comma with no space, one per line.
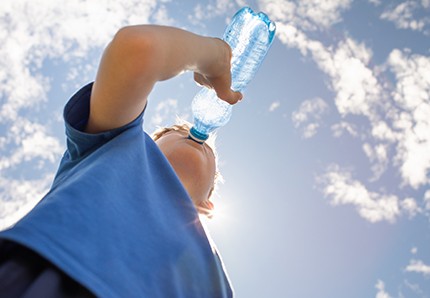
193,163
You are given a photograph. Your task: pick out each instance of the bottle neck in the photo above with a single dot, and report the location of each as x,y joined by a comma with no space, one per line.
197,136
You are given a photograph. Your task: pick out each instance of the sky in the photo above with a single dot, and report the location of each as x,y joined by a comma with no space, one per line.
326,161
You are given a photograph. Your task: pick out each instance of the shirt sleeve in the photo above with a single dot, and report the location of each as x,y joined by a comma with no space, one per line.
76,114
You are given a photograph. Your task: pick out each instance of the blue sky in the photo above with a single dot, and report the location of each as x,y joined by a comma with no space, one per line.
326,162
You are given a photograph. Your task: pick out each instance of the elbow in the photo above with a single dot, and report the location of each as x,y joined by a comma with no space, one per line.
134,37
136,50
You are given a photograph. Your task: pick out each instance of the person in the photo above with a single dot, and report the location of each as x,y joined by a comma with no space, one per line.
121,217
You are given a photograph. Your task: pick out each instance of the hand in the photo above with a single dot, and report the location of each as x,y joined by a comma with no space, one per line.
217,74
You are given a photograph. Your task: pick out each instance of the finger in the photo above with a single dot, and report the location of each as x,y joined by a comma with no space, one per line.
223,91
202,80
237,96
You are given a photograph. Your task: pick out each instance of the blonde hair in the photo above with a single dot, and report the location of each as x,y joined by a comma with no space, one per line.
184,126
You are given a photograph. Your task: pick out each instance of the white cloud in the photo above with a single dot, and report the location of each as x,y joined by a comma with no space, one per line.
405,15
209,11
310,130
309,115
418,266
357,89
278,9
381,131
414,250
427,200
380,286
414,287
375,2
342,189
19,197
339,128
161,16
274,106
308,109
412,95
166,109
339,186
378,155
32,143
306,14
322,12
410,206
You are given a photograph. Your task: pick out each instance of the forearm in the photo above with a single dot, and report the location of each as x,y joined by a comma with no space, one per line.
173,50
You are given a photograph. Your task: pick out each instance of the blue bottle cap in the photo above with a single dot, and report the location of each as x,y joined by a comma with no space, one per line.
197,136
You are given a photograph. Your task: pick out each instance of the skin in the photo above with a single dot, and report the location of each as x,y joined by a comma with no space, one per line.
194,164
136,59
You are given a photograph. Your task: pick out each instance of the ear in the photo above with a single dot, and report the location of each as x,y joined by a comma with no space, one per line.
205,207
208,204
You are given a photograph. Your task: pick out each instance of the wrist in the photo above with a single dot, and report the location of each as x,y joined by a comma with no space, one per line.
215,57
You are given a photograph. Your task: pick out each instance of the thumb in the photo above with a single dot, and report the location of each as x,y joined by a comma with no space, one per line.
237,96
230,96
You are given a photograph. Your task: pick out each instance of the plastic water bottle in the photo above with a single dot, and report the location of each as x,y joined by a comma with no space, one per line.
249,35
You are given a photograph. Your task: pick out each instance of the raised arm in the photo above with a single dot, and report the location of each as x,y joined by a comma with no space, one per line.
140,56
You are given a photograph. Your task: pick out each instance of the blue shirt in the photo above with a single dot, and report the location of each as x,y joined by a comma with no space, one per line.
118,220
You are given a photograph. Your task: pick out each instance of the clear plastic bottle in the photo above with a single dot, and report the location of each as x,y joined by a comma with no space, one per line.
249,35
